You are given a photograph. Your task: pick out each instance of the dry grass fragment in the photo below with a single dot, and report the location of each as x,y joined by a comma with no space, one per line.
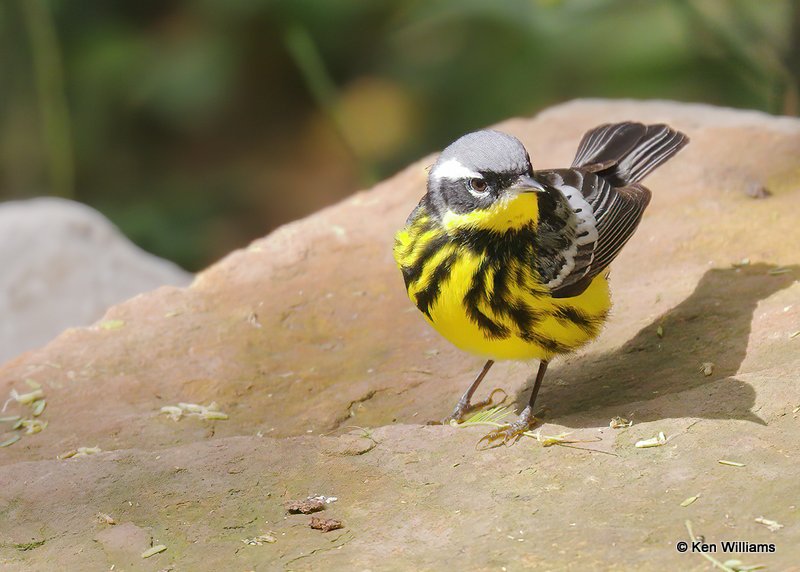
620,423
773,526
80,452
104,518
495,417
728,565
10,441
656,441
35,401
111,324
38,407
261,539
154,550
690,500
33,426
208,412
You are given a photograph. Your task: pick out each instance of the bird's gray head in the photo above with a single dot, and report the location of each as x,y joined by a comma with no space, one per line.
477,169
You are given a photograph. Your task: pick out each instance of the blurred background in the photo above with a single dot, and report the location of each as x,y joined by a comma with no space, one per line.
196,126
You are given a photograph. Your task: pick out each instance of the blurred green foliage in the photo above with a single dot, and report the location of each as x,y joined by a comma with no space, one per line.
199,125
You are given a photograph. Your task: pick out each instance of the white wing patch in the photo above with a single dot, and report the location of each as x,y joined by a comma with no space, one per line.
453,170
585,232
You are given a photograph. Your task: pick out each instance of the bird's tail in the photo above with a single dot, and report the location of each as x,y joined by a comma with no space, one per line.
624,153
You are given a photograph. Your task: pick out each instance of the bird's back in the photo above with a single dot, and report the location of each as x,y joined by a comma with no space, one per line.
603,193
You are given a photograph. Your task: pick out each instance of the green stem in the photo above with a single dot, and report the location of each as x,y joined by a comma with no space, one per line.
309,61
716,563
759,72
49,74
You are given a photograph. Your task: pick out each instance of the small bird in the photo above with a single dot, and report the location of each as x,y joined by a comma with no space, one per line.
512,264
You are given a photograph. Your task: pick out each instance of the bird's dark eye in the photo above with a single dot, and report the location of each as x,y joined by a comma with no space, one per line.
478,185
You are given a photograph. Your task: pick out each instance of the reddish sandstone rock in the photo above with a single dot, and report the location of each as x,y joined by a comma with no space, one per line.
308,331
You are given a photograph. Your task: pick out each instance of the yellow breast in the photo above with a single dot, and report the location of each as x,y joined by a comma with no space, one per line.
554,331
490,306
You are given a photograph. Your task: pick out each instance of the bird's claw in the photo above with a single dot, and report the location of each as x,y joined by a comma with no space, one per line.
463,408
510,433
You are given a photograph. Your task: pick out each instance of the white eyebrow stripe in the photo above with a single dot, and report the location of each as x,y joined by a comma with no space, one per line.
454,171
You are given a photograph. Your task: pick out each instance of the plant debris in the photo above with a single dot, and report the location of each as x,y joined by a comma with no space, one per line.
656,441
80,452
38,407
260,540
660,331
305,506
208,412
111,324
493,416
778,270
730,463
728,565
158,548
707,368
325,524
104,518
10,441
739,566
620,423
33,426
550,440
25,546
324,498
771,524
690,500
793,335
35,401
27,398
743,262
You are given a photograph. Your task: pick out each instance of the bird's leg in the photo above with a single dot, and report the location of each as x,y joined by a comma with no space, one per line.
465,404
513,431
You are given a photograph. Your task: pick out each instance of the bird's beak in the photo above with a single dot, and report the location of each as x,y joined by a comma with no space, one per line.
527,184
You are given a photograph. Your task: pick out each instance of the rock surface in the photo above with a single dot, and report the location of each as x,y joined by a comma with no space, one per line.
63,265
307,342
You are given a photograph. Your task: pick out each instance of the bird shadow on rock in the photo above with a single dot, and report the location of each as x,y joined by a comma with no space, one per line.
657,374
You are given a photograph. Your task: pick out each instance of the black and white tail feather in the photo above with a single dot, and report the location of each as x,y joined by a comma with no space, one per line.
604,195
624,153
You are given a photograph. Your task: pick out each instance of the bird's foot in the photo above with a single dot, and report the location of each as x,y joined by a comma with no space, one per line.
463,407
511,433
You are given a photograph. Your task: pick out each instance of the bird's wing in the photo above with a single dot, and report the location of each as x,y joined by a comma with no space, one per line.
599,221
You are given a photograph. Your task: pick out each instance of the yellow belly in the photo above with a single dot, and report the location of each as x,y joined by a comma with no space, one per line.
449,316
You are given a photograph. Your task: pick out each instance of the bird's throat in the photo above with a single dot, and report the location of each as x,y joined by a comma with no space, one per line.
506,213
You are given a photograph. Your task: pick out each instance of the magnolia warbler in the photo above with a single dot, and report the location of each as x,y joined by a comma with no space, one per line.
511,263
